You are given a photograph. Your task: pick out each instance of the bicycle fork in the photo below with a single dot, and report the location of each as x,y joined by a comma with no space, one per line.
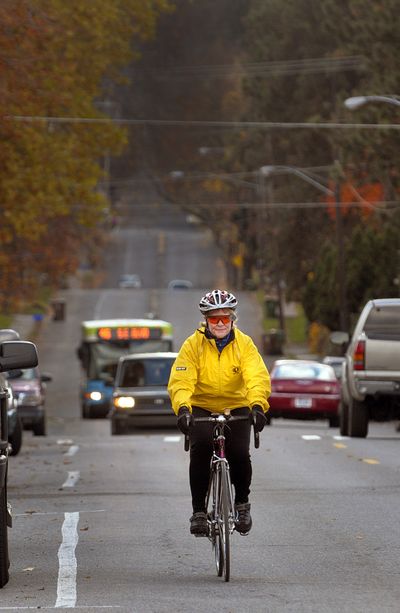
214,493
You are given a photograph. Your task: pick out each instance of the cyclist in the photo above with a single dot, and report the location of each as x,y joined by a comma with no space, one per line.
219,367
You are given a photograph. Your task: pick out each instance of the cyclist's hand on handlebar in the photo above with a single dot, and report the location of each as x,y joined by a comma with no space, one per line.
259,418
185,420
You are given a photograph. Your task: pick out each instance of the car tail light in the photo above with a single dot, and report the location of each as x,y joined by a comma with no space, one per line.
359,356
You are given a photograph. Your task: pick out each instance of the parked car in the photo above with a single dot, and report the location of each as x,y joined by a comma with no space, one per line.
130,281
140,396
371,372
180,284
14,421
304,389
29,387
336,361
13,354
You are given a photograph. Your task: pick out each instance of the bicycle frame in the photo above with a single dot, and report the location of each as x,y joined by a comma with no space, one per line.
214,487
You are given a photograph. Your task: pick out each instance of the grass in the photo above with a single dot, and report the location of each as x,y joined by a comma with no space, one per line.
5,321
296,327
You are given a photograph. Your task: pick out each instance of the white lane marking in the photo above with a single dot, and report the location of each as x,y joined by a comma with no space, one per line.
338,437
71,451
83,606
66,584
311,437
65,441
73,476
172,439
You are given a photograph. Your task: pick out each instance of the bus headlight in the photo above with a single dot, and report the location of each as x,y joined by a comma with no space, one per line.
96,396
124,402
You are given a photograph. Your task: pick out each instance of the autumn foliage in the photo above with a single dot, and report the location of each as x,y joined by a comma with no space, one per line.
58,60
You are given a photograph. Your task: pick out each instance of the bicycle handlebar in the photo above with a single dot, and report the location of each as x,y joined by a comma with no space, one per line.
223,418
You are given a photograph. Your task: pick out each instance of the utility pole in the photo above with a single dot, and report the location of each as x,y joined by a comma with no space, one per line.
267,193
343,316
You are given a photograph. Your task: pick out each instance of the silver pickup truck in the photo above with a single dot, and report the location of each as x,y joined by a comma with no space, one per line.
371,369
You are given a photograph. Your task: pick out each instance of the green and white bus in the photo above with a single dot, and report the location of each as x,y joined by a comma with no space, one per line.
103,342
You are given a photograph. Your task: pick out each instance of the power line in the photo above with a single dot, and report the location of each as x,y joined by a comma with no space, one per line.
259,125
381,206
271,68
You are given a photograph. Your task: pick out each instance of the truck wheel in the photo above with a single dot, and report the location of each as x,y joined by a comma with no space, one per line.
358,419
333,421
344,418
4,561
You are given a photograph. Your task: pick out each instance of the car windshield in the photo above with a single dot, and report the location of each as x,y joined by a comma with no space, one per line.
28,374
104,356
146,373
304,371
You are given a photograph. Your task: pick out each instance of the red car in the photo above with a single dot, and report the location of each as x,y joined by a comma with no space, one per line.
304,389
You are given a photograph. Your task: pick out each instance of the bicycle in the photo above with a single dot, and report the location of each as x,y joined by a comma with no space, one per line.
220,507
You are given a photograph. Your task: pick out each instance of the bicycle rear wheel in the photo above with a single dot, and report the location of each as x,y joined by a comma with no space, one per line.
223,523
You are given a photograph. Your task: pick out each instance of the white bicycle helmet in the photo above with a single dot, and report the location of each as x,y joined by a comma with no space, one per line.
217,299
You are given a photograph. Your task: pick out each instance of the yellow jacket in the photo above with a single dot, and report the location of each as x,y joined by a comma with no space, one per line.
202,376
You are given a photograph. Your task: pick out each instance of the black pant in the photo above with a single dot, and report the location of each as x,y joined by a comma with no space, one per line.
237,447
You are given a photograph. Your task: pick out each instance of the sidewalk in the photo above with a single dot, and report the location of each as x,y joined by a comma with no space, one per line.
27,328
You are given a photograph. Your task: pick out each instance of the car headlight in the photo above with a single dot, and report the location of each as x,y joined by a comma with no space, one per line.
96,396
29,399
124,402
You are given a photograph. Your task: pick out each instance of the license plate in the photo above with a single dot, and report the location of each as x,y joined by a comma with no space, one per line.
303,403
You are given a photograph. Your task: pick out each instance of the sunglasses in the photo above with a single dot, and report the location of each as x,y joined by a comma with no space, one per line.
214,319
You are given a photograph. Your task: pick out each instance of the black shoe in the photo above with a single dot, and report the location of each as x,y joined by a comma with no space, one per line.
198,524
243,522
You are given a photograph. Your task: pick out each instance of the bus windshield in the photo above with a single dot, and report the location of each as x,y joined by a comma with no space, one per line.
105,341
103,357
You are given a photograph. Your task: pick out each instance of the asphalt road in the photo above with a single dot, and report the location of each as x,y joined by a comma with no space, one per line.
101,522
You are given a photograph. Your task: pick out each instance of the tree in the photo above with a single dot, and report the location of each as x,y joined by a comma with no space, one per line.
56,60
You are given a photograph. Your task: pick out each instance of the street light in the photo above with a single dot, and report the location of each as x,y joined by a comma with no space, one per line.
267,171
355,102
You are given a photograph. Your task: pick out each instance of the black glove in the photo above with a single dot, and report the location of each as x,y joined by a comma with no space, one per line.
259,418
185,420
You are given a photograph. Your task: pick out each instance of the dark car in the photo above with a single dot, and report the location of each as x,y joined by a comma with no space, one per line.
336,362
180,284
140,396
29,387
14,421
304,389
14,354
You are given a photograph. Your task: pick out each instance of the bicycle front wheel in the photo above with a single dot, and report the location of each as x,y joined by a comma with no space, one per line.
223,523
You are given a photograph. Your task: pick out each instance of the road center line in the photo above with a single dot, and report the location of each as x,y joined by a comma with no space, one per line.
311,437
73,477
66,585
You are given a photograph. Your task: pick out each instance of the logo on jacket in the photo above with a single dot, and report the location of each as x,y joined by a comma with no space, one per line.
236,370
181,368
